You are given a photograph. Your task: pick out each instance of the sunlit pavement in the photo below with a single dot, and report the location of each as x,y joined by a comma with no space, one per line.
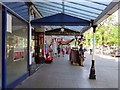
61,74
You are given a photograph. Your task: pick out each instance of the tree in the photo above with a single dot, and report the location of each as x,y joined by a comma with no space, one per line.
107,32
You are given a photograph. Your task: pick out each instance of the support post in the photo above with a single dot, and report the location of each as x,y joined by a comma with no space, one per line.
81,36
75,40
92,70
29,36
4,27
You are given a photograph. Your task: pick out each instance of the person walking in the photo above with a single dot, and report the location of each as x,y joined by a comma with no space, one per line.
58,48
81,54
66,50
50,50
63,51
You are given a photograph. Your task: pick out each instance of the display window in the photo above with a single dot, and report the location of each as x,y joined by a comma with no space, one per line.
16,48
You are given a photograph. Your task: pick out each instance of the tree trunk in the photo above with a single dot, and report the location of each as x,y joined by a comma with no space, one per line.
102,41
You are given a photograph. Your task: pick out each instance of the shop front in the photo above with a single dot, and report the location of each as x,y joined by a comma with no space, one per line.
17,61
36,43
14,48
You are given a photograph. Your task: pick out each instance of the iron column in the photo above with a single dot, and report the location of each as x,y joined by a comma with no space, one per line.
92,70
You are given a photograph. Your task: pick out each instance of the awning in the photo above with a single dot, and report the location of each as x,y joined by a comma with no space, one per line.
67,32
60,19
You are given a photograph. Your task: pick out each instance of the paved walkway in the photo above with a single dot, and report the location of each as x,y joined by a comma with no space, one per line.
61,74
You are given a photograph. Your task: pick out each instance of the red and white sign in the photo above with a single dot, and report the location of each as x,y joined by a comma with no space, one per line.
18,56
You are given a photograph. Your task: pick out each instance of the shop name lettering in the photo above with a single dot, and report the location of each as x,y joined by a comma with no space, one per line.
18,55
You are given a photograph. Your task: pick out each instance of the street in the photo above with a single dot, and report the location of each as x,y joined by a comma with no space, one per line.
61,74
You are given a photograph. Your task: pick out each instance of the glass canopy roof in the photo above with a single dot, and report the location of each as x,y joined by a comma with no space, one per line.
19,7
84,9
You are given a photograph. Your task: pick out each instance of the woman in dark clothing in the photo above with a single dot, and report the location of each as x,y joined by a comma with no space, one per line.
81,53
58,48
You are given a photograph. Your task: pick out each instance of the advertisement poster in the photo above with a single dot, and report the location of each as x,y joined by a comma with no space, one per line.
19,53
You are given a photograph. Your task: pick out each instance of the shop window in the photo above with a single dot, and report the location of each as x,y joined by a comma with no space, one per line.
16,48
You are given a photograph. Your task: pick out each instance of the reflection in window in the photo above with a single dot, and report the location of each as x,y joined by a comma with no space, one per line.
16,52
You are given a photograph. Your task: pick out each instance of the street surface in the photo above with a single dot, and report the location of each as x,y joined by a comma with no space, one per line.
61,74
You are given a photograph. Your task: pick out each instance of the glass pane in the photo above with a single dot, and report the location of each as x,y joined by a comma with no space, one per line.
16,48
0,45
18,7
82,9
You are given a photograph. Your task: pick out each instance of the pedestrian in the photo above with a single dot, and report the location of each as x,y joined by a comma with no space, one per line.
66,50
63,51
58,48
69,49
81,54
50,50
90,51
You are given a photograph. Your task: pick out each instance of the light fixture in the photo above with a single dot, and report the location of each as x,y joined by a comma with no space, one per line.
62,29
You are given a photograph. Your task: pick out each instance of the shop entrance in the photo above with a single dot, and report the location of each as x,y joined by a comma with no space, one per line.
39,45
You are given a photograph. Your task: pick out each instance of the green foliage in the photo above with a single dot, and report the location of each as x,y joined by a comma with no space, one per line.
107,32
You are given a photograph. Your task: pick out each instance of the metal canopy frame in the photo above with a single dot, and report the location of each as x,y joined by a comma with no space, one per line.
89,11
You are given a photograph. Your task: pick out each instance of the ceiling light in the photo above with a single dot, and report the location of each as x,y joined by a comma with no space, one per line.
62,29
